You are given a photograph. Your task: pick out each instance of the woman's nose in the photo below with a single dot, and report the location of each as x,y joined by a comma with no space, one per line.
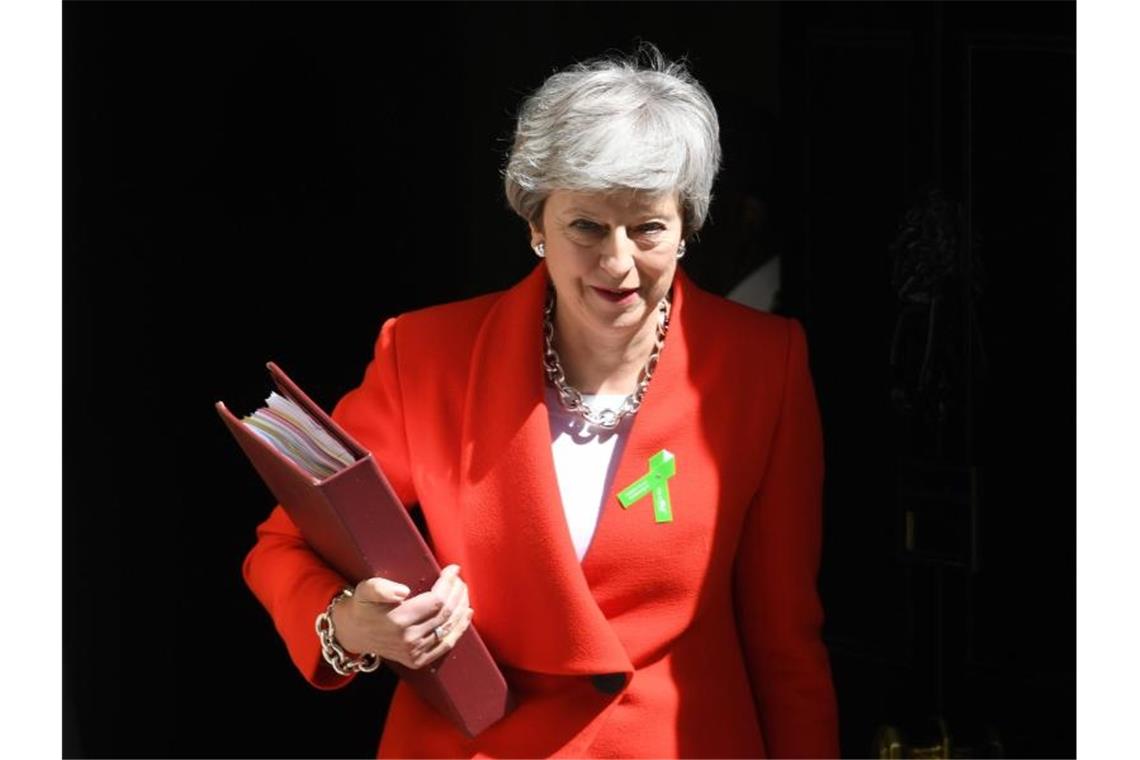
617,254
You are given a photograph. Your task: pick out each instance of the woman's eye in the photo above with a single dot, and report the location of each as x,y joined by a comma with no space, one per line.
594,229
585,225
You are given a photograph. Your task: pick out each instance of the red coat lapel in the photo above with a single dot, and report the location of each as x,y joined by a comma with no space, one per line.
538,605
663,408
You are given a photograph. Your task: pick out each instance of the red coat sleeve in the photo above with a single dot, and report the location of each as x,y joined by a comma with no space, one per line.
779,615
287,577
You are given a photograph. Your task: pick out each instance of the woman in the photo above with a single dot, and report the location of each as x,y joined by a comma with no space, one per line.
668,615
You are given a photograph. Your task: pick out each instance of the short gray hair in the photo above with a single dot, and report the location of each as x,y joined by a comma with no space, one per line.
616,123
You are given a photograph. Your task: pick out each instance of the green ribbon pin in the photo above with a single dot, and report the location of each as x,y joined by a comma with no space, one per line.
662,466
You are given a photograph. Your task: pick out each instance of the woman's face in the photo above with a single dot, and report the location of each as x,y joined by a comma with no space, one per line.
611,256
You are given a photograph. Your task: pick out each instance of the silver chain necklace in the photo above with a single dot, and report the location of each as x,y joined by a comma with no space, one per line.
570,397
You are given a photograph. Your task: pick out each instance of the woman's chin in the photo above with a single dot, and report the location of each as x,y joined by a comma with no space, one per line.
625,319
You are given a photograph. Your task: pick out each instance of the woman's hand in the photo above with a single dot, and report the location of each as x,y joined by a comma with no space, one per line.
380,618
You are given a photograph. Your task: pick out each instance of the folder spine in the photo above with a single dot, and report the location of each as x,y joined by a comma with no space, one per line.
408,562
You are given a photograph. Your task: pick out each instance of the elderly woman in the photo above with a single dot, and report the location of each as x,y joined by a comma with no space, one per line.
621,471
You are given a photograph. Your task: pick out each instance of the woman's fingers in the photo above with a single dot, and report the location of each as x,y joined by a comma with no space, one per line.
446,644
385,620
450,615
447,577
445,608
455,604
381,591
425,606
417,619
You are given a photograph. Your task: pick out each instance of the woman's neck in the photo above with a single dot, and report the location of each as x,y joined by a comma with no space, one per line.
602,361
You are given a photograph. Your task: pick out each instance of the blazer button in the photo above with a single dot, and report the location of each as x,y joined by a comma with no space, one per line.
608,683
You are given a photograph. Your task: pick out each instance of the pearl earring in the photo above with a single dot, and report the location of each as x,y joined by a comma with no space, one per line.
681,249
540,250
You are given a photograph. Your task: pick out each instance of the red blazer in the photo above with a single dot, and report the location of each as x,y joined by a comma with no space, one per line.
710,622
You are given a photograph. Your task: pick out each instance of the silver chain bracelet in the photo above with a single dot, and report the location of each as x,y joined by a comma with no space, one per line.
333,653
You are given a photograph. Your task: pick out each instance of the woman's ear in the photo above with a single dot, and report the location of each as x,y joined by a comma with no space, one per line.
536,234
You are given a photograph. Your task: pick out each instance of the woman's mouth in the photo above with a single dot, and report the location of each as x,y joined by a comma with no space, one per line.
616,296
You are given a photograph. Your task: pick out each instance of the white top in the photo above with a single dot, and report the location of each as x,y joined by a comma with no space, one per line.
585,457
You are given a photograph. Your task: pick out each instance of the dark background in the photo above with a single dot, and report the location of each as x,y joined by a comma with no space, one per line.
246,182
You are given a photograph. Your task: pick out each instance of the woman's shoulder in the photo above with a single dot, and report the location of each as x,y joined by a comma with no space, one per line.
440,334
458,323
448,318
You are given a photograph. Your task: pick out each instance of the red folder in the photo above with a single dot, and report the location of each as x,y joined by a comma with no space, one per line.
355,522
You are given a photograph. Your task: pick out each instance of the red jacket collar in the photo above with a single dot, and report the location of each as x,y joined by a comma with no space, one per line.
540,605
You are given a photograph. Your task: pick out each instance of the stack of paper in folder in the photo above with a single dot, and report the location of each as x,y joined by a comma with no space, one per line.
290,430
340,500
